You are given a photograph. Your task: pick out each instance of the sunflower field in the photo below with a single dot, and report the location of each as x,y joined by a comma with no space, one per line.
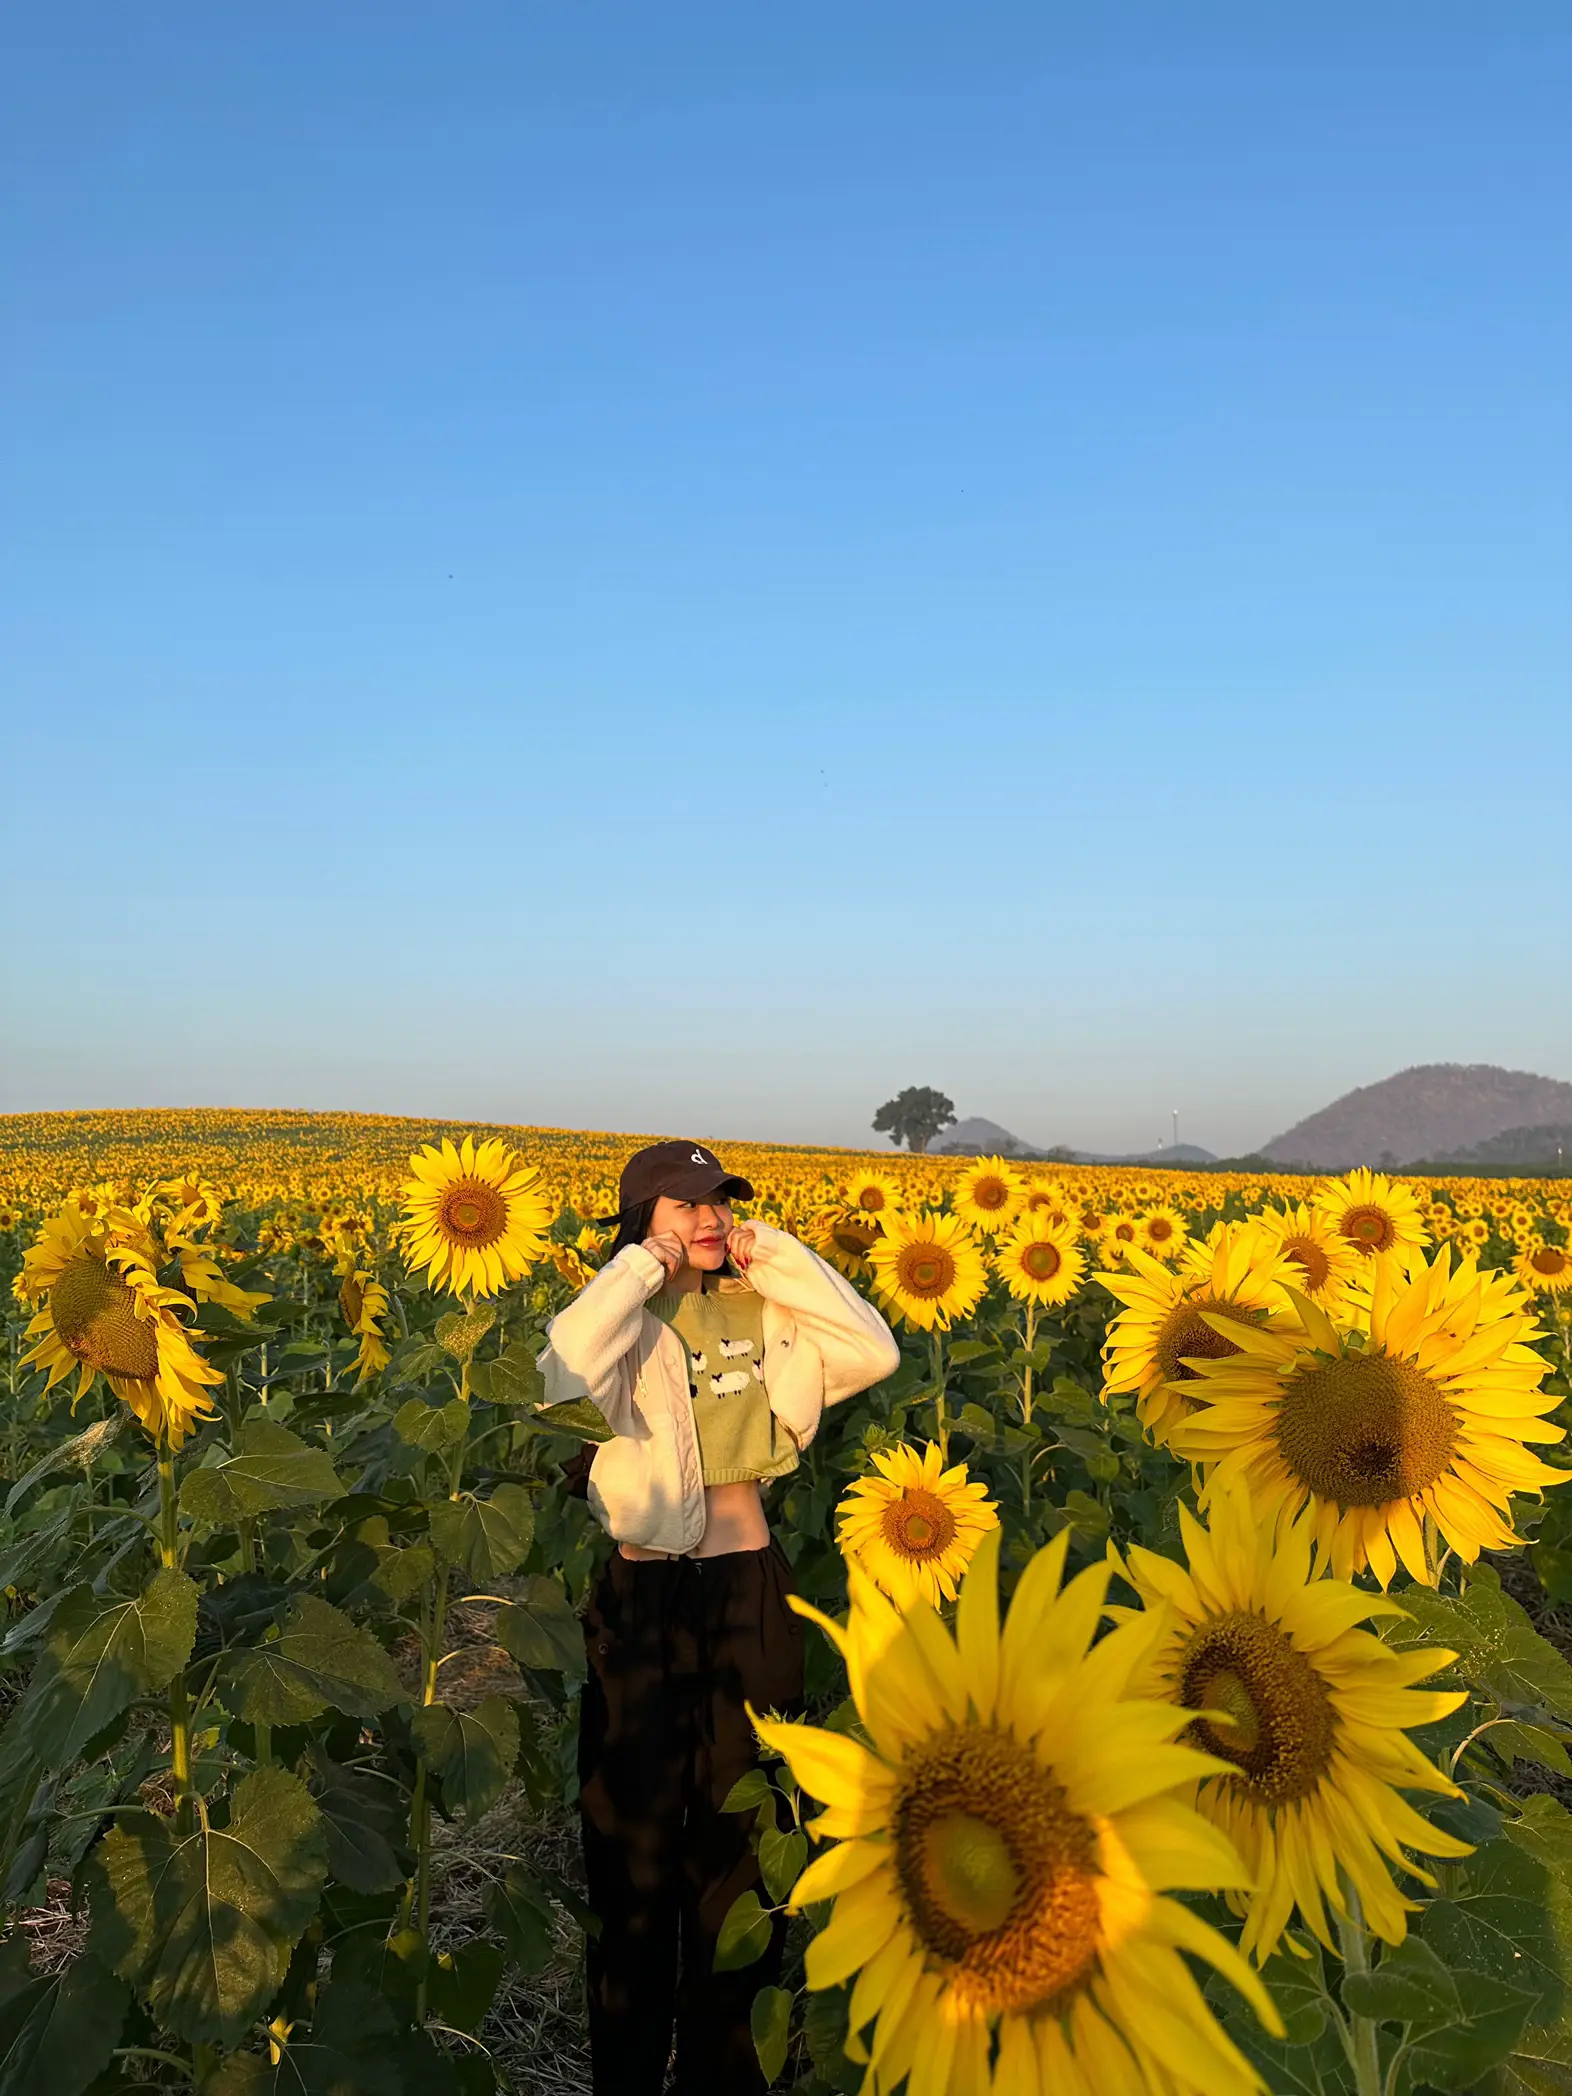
1189,1701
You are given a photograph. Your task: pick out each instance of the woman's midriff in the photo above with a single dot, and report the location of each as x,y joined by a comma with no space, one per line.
733,1520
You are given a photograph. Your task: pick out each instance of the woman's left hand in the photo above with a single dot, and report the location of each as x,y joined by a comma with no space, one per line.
739,1246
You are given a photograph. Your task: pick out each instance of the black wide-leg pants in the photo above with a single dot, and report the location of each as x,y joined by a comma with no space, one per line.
675,1645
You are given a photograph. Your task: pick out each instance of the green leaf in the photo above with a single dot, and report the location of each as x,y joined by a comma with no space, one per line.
1297,1987
1499,1652
781,1860
541,1630
580,1416
1410,1985
748,1793
519,1909
960,1351
320,1660
1512,1918
417,1360
464,1983
471,1752
1516,1742
352,2048
434,1428
363,1822
58,2031
204,1922
769,2019
1480,2033
99,1657
271,1469
488,1537
511,1379
744,1934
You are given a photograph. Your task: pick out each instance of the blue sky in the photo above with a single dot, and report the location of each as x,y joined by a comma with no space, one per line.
687,567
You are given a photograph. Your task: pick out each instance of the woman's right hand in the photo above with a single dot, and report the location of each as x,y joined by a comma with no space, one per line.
669,1249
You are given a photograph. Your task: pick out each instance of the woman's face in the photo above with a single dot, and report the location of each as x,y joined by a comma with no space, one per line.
703,1227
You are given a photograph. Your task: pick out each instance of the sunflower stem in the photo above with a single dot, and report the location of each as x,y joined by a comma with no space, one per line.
1360,2037
1026,1410
941,1430
435,1621
179,1712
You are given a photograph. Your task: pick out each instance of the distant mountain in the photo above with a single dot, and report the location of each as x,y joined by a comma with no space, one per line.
977,1137
1527,1150
1431,1111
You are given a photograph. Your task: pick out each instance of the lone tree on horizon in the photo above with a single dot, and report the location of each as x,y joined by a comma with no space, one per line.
914,1117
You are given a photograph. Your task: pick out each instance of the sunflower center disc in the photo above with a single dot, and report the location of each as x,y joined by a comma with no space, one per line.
926,1270
1372,1229
1365,1430
1042,1261
919,1525
854,1238
990,1193
1185,1331
871,1198
999,1875
1548,1259
1277,1721
472,1213
1159,1229
94,1316
1310,1259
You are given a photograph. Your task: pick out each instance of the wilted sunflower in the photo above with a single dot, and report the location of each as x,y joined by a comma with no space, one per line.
871,1195
913,1526
1309,1711
1426,1412
1327,1261
929,1269
1545,1268
104,1313
1377,1215
364,1302
988,1194
1004,1848
1041,1262
1152,1340
1163,1233
476,1217
845,1240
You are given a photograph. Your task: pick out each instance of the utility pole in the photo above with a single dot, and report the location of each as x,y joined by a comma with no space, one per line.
1176,1127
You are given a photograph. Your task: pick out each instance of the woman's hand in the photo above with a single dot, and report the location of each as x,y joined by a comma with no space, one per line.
669,1249
739,1246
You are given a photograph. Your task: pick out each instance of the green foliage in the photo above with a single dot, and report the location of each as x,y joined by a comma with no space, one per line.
488,1538
470,1752
57,2030
318,1661
269,1471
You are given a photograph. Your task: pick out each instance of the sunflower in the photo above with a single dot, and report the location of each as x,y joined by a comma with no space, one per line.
1045,1197
1545,1268
914,1526
1004,1847
105,1313
989,1194
474,1217
1309,1711
845,1240
1422,1415
1041,1262
1377,1215
1328,1262
928,1268
1152,1340
1120,1233
364,1302
1163,1233
871,1195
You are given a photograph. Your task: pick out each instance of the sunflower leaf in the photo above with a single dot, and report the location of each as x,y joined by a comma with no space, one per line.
769,2019
744,1934
271,1469
1499,1652
204,1921
488,1537
511,1379
471,1752
320,1660
363,1823
433,1428
519,1909
1512,1918
782,1856
541,1630
58,2030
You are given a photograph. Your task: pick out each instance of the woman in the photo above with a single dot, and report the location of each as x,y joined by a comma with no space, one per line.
710,1348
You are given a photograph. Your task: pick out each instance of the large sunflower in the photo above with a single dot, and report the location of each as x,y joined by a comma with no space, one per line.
1004,1847
1377,1215
1151,1342
988,1194
929,1269
1545,1268
845,1239
1041,1262
474,1217
1328,1262
913,1526
1309,1711
105,1313
1422,1415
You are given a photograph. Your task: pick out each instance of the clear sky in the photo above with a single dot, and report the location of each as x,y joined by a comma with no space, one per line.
687,566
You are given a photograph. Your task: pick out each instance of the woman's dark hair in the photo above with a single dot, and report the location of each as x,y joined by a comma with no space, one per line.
633,1226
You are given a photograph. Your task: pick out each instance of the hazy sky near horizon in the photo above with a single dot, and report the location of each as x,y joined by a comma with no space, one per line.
687,567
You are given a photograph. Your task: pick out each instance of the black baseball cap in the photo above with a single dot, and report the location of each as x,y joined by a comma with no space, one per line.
687,1171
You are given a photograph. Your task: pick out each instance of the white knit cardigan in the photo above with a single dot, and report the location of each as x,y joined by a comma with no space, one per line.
822,1343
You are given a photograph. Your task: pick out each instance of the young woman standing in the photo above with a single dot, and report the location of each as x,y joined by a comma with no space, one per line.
710,1348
